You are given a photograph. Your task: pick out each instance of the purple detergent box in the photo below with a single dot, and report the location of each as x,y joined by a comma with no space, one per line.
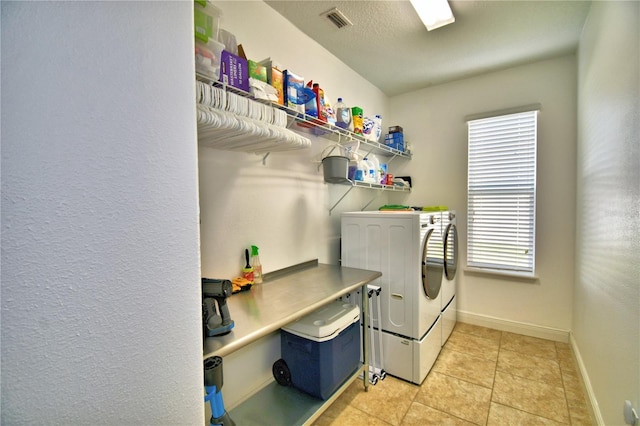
234,71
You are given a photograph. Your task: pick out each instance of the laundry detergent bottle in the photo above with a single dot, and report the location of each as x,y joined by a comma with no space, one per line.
370,174
358,120
361,171
377,128
322,110
343,114
375,163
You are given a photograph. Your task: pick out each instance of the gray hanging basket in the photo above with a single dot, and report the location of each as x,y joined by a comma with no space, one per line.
335,167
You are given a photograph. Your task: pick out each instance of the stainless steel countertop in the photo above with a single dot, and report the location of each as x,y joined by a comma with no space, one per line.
283,298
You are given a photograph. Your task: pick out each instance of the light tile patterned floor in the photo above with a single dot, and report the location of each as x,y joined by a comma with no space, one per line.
482,377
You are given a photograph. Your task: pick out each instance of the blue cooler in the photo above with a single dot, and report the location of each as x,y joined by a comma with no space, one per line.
322,349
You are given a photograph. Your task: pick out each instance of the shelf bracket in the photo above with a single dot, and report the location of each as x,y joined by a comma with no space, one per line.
264,159
368,152
392,158
341,198
291,119
371,201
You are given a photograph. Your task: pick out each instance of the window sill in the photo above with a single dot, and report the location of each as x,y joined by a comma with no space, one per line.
520,276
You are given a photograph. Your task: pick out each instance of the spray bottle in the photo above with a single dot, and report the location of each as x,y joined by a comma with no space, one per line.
257,266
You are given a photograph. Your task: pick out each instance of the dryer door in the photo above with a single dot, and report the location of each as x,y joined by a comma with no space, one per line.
450,251
432,261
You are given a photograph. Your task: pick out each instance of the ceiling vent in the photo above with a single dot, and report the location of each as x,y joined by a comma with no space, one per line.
337,18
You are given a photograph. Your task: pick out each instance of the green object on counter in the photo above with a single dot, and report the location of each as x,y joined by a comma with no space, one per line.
394,207
435,209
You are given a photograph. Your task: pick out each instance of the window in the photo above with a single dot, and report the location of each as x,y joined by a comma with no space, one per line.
502,192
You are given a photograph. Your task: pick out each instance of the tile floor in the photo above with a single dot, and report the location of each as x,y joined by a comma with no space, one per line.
483,377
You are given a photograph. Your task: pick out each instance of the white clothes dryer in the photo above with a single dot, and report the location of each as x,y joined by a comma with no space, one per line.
449,280
406,247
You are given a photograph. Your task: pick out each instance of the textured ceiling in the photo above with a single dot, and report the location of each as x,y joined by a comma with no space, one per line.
389,46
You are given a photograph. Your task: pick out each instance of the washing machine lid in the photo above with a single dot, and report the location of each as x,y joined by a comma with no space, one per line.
432,264
450,251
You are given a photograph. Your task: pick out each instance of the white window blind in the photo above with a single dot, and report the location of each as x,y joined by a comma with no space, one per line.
502,192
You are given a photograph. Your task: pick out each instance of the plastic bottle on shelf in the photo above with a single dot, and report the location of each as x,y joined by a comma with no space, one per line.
343,114
322,111
257,266
368,130
361,171
365,165
377,128
370,175
331,114
310,101
375,163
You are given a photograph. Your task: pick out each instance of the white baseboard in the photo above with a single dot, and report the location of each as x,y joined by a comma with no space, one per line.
555,334
588,389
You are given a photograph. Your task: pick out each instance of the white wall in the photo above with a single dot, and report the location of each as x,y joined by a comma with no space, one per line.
606,323
434,122
101,305
282,206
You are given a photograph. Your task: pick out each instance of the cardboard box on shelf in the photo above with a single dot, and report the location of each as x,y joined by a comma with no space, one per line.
257,71
395,141
274,77
234,71
277,81
293,87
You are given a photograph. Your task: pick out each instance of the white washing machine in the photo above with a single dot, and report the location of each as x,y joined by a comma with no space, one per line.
449,280
406,247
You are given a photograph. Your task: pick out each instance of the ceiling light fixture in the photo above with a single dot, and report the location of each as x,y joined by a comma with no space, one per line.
433,13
